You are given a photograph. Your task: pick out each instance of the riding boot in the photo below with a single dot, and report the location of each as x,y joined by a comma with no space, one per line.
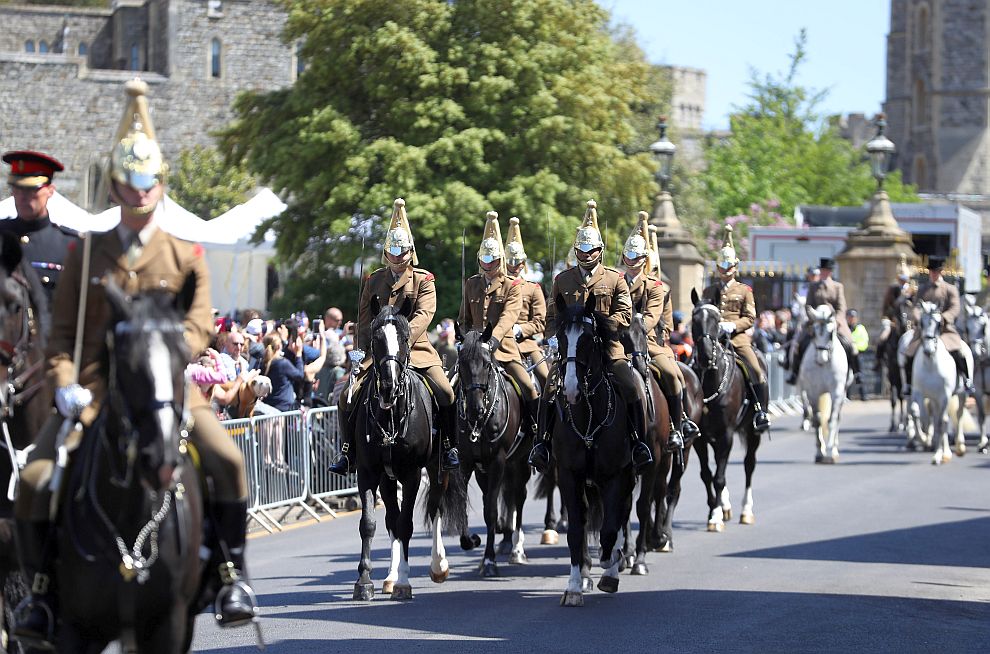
689,429
235,603
963,367
344,463
539,457
530,418
34,617
908,367
796,363
761,422
676,440
641,454
448,437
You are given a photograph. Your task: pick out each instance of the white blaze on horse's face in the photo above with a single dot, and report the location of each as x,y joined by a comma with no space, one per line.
160,362
572,335
931,322
391,350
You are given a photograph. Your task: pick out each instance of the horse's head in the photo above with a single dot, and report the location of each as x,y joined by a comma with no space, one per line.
636,339
390,349
976,328
903,307
824,325
580,333
930,326
475,368
704,330
147,355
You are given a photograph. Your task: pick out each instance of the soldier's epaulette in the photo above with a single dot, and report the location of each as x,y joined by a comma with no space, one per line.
517,281
615,270
197,250
658,282
68,231
423,271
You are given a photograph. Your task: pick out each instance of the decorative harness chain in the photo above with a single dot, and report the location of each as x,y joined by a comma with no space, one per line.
587,435
497,390
396,428
719,361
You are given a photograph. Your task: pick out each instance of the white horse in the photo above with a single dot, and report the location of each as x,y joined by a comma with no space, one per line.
974,327
823,381
934,381
800,317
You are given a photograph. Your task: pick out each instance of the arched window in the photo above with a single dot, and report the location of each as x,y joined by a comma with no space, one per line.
216,58
920,172
921,29
29,46
42,47
135,62
300,62
920,103
83,50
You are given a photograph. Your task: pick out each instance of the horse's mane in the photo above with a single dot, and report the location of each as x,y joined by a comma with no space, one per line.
576,312
389,313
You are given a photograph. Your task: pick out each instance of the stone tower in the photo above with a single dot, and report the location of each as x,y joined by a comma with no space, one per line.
937,104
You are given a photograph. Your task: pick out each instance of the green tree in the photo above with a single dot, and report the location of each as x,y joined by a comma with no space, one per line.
781,153
459,107
206,185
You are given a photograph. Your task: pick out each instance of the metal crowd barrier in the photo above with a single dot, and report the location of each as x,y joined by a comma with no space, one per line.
783,397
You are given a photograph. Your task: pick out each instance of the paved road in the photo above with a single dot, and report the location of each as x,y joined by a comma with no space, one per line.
882,553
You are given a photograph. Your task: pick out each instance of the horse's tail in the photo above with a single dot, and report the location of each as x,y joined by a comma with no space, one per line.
453,503
545,484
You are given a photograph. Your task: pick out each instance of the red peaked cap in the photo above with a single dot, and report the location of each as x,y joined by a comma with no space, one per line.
30,169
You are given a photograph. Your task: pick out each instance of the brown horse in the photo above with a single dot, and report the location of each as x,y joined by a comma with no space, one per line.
25,397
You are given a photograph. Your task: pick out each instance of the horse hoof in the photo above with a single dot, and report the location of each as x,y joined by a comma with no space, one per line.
667,547
403,592
946,458
504,547
630,561
489,569
716,527
572,599
608,584
961,450
550,537
364,592
468,543
587,585
819,457
828,460
435,577
727,514
518,558
387,587
747,519
639,570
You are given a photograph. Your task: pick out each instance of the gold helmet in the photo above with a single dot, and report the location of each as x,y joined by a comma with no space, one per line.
399,238
727,255
491,242
136,159
515,254
638,244
589,237
655,251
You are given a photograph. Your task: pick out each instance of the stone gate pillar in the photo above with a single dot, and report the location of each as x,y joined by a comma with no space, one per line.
680,260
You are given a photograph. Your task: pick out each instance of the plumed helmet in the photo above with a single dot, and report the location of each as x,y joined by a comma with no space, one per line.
727,255
638,243
515,253
399,238
588,236
655,251
136,159
491,242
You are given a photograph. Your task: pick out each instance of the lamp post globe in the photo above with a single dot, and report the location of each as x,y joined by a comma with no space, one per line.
664,151
880,148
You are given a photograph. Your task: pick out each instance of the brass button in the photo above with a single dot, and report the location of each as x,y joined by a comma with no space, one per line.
45,279
163,283
132,274
25,240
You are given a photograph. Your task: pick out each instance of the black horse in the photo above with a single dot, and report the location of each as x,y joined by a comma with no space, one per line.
887,356
130,527
490,444
395,442
727,411
25,398
591,444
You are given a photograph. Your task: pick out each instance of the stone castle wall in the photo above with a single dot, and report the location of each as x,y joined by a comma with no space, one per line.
60,104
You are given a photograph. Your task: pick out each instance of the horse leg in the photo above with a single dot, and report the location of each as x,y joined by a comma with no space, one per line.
706,477
572,495
644,513
514,490
489,482
439,565
655,538
364,589
673,496
390,498
616,500
167,636
960,447
402,589
469,540
981,409
753,440
943,453
838,399
722,512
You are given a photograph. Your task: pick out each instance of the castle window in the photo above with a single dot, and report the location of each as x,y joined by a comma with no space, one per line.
135,62
921,34
920,103
42,47
29,46
83,50
920,173
300,63
216,52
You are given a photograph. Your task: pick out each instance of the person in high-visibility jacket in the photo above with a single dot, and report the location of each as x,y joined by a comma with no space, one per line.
860,343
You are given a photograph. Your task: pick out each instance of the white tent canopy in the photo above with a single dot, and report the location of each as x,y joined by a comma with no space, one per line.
241,222
171,217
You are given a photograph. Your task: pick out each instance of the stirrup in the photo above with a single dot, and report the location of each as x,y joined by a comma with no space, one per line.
451,459
641,456
341,465
674,441
234,584
34,638
689,428
539,457
761,422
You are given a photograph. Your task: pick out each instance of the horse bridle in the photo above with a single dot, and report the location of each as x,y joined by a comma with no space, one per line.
13,356
720,357
489,403
587,390
396,428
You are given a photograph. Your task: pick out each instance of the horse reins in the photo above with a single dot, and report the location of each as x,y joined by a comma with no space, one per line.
588,391
489,402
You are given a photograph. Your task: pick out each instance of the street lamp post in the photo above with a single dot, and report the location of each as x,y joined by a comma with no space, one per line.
880,150
664,151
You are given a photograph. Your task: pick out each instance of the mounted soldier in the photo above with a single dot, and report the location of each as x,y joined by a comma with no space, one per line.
44,243
591,277
651,298
533,314
899,298
138,256
946,297
825,291
735,300
494,298
400,280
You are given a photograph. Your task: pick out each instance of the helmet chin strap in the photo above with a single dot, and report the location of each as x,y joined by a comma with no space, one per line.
591,263
141,211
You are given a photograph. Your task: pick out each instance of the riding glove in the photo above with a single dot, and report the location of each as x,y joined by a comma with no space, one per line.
71,400
517,331
728,328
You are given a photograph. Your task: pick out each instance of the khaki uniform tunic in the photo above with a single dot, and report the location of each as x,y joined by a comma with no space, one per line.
946,296
652,297
828,291
165,263
498,303
736,302
532,321
417,285
611,294
895,292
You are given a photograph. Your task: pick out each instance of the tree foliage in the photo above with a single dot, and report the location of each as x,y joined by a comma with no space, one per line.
782,153
206,185
524,107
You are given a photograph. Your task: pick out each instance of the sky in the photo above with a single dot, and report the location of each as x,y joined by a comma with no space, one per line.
846,47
